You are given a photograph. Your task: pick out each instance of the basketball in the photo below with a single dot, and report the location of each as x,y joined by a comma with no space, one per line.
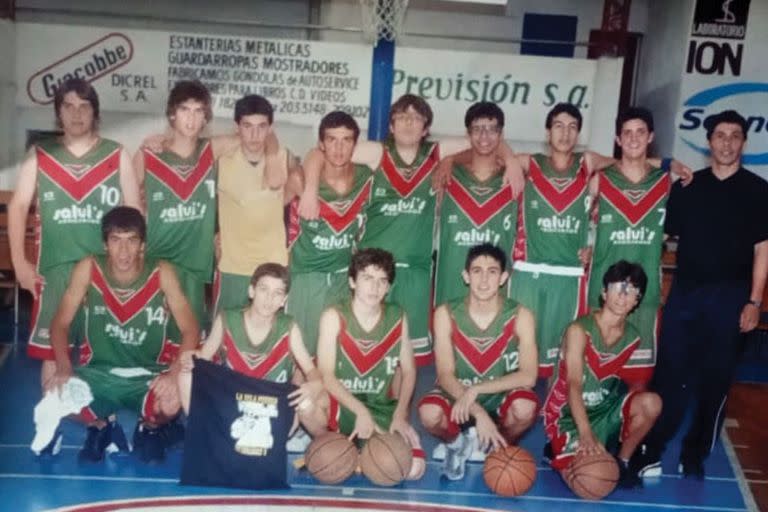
386,459
592,477
331,458
509,471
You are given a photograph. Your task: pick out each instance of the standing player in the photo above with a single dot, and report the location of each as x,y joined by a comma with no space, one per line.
262,342
322,249
251,199
180,193
631,203
485,348
123,358
477,206
366,359
589,409
73,180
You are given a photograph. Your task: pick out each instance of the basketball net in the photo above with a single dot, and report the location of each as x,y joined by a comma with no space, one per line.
383,19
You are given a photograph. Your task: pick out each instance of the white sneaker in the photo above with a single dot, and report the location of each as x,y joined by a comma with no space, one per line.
439,452
75,394
457,453
298,442
478,454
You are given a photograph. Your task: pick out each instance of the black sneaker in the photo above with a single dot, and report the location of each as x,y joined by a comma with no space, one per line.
172,433
95,444
646,462
118,442
691,468
548,455
628,479
148,444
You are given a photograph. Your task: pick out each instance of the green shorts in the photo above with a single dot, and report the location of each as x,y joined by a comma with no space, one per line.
647,320
44,308
341,419
411,290
230,291
555,301
194,290
310,294
609,422
113,390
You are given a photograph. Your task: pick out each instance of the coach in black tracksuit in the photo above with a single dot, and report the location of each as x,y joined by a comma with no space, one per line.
721,220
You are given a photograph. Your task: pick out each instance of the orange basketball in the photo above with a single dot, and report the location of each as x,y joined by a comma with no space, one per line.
331,458
386,459
592,477
509,471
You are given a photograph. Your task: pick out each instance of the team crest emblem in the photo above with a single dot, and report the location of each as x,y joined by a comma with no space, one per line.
483,343
408,172
366,345
252,430
481,191
78,169
634,195
184,170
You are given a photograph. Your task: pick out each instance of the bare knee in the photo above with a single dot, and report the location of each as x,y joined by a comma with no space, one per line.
650,404
521,412
431,416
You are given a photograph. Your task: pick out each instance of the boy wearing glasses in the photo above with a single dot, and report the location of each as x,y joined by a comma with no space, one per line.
590,409
477,206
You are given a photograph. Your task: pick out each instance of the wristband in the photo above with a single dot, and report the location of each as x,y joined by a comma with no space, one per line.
756,303
666,164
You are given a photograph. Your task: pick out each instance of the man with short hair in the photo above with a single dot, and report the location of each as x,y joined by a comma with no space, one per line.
124,359
589,409
321,249
251,200
366,359
485,349
73,180
716,296
477,206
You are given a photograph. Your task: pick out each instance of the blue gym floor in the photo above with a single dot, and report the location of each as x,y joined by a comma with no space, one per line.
30,484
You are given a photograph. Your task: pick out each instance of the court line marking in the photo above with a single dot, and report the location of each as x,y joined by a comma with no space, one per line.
345,490
746,492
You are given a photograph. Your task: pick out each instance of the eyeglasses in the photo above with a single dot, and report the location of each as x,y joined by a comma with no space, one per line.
481,129
624,287
408,118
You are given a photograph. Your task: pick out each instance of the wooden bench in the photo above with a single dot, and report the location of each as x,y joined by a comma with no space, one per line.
7,275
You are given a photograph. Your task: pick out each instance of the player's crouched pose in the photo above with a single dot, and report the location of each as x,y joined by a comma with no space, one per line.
366,358
589,408
262,342
485,350
126,298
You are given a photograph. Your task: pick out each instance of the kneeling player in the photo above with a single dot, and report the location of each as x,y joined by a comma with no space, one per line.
263,342
366,358
126,297
486,358
589,408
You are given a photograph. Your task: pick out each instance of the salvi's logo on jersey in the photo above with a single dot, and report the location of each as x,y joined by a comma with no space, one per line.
252,430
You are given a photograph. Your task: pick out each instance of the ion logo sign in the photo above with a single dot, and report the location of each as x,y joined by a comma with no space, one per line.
695,110
89,63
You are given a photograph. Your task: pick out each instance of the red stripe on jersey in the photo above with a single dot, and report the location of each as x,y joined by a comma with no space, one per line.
260,366
124,311
558,199
364,361
183,187
294,222
339,221
520,247
482,360
78,187
634,211
478,213
403,185
612,366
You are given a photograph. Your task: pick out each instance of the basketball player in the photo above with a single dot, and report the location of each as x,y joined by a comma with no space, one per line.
366,358
251,200
485,349
589,409
73,180
477,207
123,358
262,342
631,203
179,185
322,249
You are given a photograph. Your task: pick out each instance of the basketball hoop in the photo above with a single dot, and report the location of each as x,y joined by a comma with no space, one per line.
383,19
